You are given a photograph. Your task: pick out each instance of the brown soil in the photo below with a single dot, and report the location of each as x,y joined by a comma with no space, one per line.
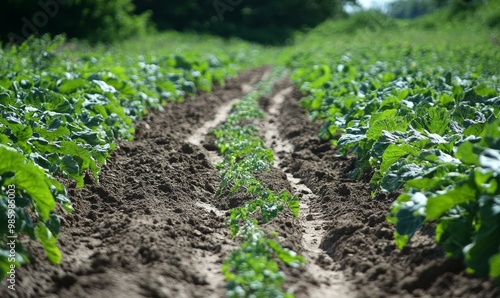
153,227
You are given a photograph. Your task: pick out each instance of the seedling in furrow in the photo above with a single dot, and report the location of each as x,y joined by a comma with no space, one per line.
251,270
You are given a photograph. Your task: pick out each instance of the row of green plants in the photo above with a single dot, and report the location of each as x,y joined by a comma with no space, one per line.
427,126
252,269
61,113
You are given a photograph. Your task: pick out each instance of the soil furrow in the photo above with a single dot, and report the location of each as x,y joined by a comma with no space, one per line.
202,133
328,282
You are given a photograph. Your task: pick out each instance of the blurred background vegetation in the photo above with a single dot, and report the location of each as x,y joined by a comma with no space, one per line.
264,21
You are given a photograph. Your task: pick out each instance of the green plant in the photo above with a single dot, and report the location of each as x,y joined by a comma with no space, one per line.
251,270
423,121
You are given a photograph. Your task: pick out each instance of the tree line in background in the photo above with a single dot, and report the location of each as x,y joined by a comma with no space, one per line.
264,21
257,20
410,9
94,20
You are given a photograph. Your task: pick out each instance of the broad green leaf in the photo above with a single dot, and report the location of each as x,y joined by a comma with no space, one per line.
395,152
70,86
449,239
54,124
49,243
70,166
29,178
407,214
484,91
434,120
395,179
474,129
490,159
468,153
440,204
388,123
422,183
495,266
485,243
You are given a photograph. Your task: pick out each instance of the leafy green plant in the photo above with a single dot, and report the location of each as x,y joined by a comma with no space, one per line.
27,192
427,129
466,206
251,270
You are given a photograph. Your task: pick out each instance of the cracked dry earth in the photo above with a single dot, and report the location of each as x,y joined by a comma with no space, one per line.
152,226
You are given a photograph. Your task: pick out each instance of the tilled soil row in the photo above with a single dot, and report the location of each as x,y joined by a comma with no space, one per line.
320,269
357,236
144,230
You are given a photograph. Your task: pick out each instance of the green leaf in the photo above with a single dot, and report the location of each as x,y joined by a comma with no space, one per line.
294,205
490,159
474,129
468,153
423,184
388,122
485,181
29,178
288,257
49,243
484,91
401,240
434,120
394,180
440,204
54,124
395,152
453,233
486,242
70,166
407,213
495,266
70,86
21,131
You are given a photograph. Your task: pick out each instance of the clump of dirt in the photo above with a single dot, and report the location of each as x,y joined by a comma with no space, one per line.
358,237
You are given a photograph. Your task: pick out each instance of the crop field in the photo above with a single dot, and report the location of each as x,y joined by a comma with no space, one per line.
359,164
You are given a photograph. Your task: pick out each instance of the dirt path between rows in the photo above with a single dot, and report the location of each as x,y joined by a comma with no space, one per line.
153,227
328,281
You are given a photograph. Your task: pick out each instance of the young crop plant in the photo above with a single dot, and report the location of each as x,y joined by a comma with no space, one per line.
251,270
27,193
466,206
431,131
61,113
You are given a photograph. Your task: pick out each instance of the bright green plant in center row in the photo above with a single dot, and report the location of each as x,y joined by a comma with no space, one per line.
251,270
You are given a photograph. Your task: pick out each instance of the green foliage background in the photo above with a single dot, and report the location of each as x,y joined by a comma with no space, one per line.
271,22
94,20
